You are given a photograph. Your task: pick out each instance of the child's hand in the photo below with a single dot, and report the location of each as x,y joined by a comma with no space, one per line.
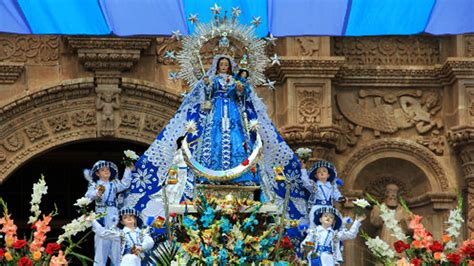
361,218
131,167
138,250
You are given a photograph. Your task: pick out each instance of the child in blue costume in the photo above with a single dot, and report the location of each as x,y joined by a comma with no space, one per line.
132,240
103,189
320,182
322,244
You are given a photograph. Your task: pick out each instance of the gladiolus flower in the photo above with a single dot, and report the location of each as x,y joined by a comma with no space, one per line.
58,260
417,244
446,238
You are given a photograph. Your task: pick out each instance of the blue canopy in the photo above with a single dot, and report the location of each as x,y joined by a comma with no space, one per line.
279,17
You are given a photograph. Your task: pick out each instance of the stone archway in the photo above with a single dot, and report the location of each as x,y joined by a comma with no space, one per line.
69,112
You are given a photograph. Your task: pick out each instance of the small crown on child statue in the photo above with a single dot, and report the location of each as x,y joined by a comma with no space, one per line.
244,62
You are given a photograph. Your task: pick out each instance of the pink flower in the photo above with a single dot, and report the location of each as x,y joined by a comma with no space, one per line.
58,260
8,227
42,228
403,262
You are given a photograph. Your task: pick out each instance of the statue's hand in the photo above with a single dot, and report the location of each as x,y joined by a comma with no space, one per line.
361,218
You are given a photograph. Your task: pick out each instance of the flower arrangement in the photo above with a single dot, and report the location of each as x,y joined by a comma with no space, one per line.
228,232
130,157
304,154
33,251
420,248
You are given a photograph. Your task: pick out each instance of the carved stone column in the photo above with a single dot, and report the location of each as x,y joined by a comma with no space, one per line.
462,139
108,58
304,103
458,75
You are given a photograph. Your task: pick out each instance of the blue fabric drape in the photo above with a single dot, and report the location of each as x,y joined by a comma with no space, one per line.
250,8
451,17
388,17
308,17
144,17
64,17
11,18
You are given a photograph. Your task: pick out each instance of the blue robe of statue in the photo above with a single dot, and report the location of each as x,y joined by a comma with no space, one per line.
222,141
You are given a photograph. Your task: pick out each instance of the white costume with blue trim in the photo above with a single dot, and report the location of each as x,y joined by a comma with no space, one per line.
126,238
107,203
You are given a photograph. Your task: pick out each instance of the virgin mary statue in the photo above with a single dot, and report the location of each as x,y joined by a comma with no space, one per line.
221,134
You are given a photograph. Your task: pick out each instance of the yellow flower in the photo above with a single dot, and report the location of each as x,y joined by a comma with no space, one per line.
37,255
8,256
9,241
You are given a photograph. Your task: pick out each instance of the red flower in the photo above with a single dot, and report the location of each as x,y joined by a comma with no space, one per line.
454,258
1,253
400,246
416,261
173,215
467,248
246,162
52,247
286,243
436,247
19,244
24,261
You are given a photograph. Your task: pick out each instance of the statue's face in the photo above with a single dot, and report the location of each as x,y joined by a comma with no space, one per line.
391,195
223,65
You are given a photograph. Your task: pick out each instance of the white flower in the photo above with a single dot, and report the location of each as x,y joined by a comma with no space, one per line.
361,203
455,221
75,226
388,217
39,189
304,152
82,202
131,155
253,125
379,247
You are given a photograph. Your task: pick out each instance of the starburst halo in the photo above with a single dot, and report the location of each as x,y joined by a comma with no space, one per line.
189,57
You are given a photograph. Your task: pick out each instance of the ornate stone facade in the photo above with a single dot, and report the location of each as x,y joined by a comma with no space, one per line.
385,109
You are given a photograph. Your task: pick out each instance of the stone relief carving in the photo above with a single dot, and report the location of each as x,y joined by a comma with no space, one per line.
388,113
59,123
30,48
309,102
84,118
390,50
163,45
469,45
131,120
36,131
435,142
308,46
107,101
153,124
13,142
